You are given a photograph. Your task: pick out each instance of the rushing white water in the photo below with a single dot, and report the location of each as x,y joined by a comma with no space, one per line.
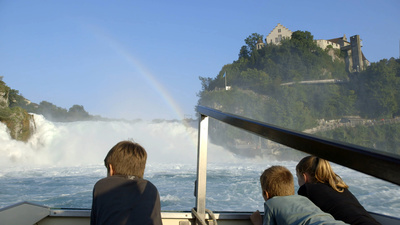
60,164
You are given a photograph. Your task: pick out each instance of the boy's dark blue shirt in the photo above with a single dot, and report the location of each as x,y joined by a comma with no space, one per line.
125,200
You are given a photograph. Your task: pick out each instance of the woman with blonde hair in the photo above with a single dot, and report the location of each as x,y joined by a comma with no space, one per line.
328,191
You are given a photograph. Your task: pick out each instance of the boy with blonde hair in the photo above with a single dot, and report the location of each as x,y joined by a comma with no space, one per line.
124,197
282,206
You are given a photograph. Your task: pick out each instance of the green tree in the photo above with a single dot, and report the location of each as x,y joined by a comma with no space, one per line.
378,89
77,112
252,40
244,52
303,39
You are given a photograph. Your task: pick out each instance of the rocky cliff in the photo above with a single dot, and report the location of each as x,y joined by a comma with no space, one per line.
19,123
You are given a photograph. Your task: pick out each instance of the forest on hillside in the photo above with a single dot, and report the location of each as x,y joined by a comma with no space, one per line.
16,101
255,90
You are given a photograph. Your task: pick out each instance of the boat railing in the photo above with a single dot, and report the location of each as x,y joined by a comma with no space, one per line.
376,163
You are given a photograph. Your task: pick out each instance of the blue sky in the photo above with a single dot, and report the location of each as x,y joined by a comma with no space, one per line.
142,59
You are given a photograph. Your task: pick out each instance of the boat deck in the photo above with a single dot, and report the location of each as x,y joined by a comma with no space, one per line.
27,213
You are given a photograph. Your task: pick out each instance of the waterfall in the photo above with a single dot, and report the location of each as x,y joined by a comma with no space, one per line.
87,142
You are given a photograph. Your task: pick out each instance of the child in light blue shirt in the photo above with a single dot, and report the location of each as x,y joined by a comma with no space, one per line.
283,207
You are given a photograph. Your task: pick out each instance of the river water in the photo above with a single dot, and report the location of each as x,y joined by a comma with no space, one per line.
60,164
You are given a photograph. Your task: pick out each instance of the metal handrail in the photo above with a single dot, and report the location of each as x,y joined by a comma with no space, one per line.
376,163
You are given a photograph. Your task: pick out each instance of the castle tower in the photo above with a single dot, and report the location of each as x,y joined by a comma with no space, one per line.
356,54
260,44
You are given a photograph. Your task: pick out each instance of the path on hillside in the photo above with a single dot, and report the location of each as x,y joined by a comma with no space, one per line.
328,81
324,125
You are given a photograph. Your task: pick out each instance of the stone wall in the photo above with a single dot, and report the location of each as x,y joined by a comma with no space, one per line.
325,43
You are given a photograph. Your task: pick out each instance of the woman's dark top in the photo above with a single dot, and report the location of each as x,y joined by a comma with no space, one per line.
123,200
341,205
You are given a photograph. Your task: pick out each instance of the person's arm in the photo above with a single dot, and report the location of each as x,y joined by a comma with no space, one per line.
256,218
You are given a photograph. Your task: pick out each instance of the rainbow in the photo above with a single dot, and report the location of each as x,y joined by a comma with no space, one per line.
142,70
154,83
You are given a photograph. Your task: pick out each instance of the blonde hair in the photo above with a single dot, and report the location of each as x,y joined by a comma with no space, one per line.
127,158
277,181
321,172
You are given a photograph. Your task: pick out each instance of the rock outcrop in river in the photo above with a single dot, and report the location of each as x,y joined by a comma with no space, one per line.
18,121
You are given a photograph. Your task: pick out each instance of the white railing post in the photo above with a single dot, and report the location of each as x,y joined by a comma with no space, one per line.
202,167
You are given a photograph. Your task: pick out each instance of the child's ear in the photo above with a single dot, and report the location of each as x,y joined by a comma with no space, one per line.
111,172
265,195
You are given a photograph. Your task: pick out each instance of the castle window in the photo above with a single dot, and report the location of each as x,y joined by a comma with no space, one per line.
280,37
279,30
276,40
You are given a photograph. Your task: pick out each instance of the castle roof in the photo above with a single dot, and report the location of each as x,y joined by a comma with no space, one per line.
276,27
339,39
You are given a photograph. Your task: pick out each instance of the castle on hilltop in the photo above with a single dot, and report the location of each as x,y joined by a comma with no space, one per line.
354,57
